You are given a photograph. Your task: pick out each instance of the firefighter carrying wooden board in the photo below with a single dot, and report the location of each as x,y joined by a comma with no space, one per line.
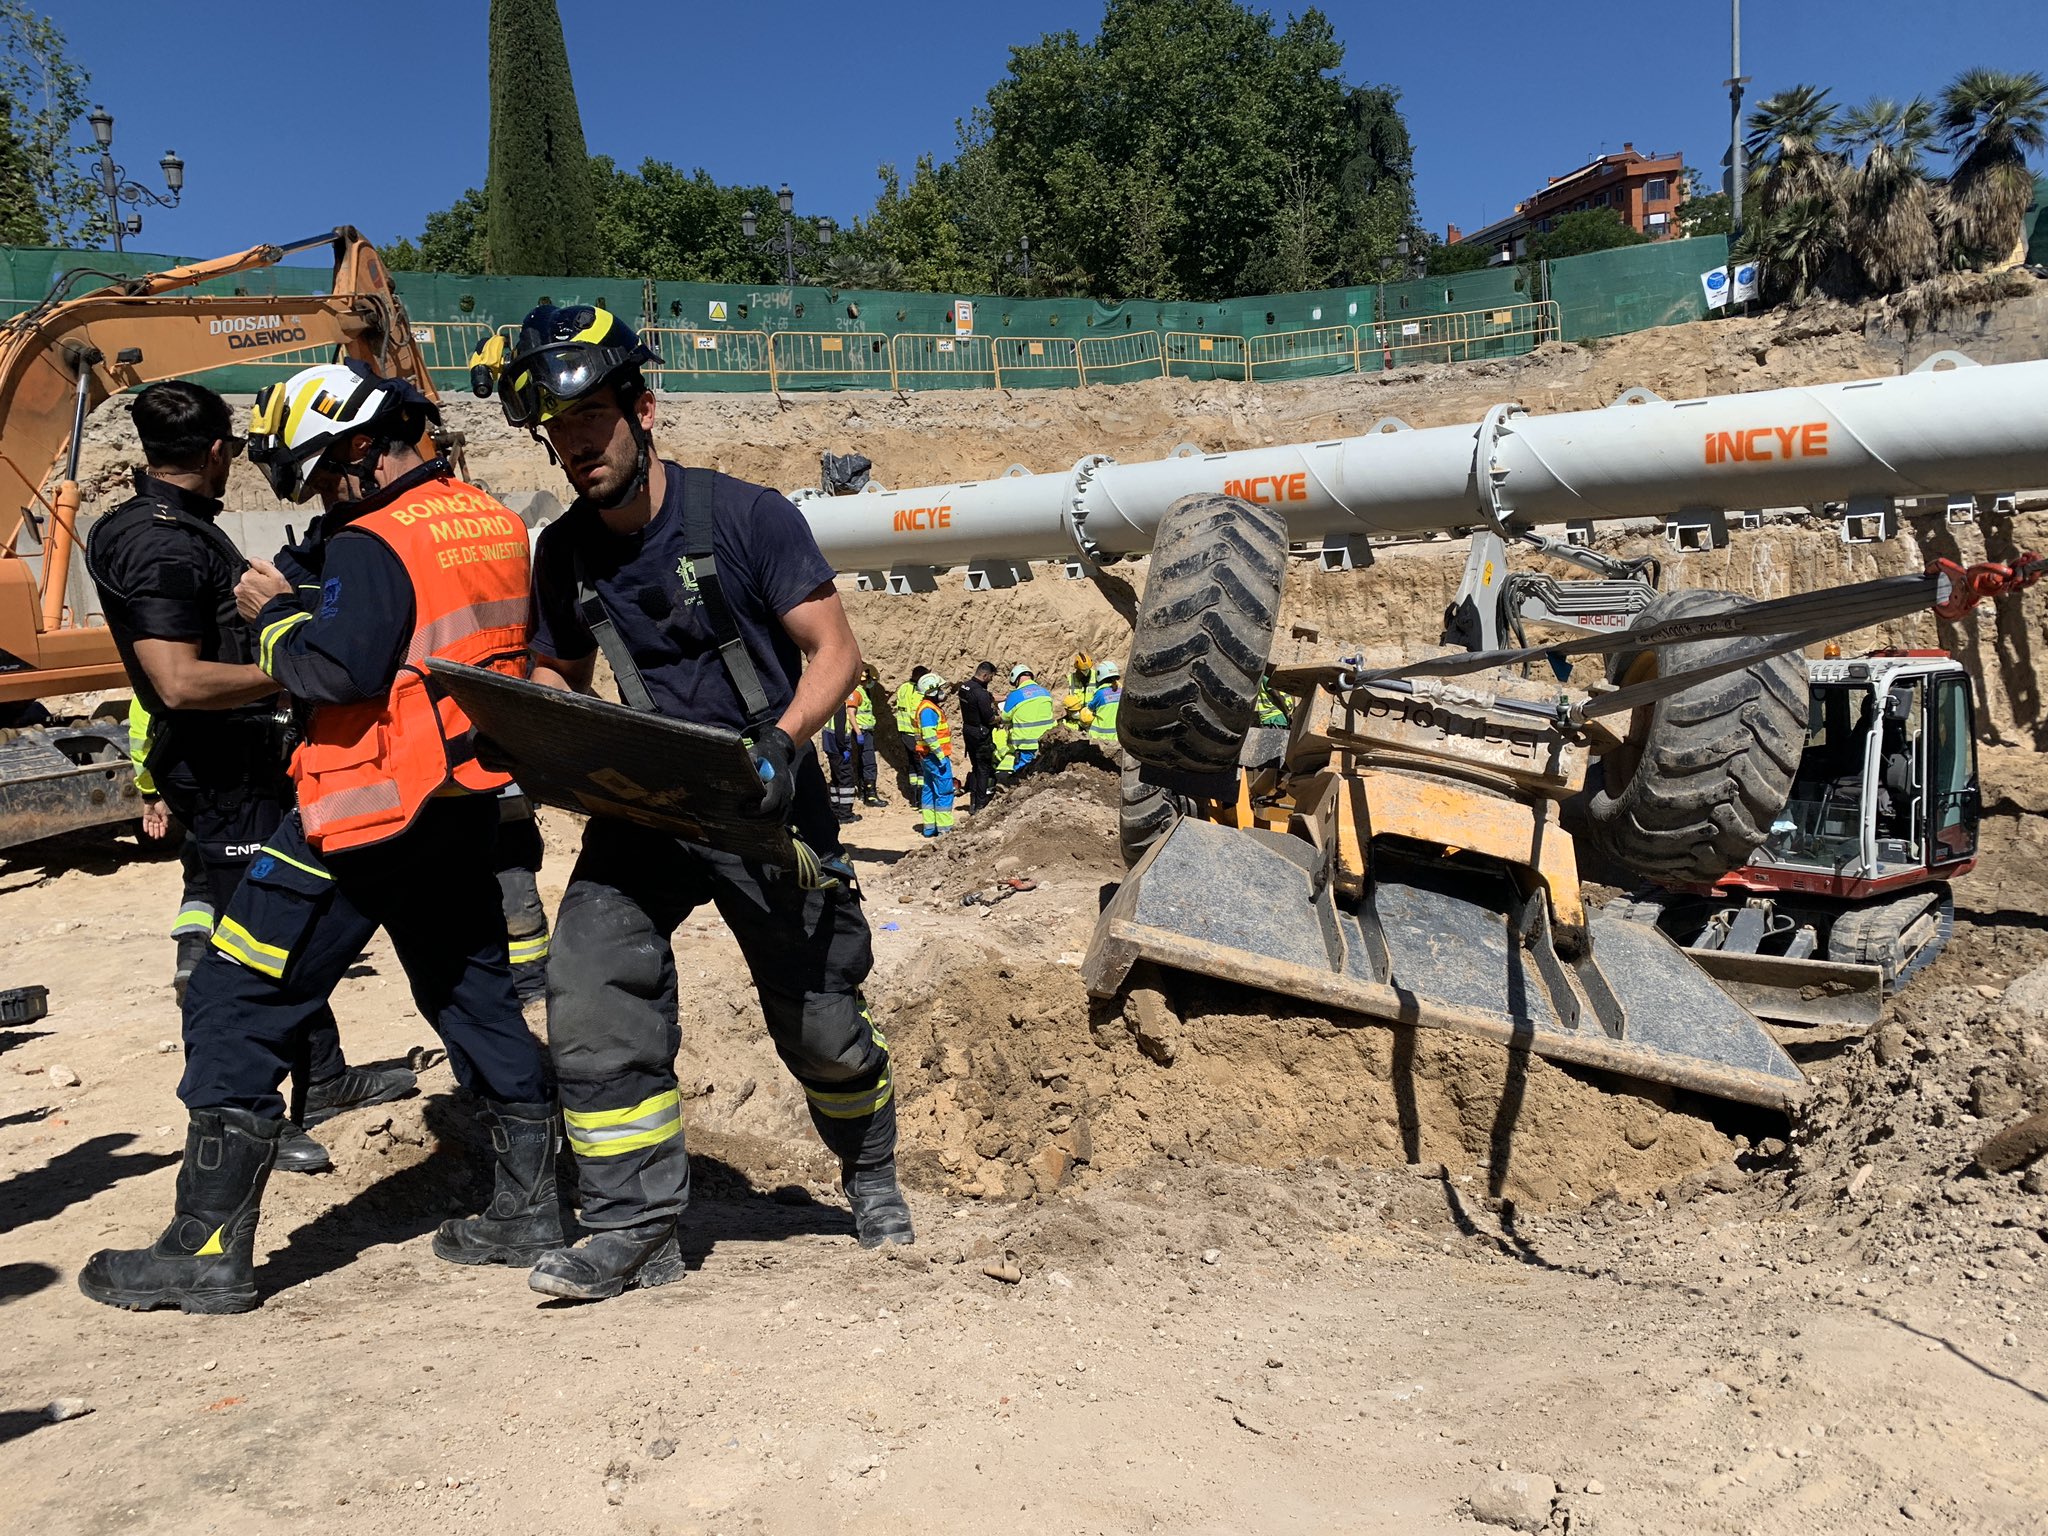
713,605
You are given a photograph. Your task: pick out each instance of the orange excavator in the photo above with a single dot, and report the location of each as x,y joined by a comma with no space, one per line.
58,361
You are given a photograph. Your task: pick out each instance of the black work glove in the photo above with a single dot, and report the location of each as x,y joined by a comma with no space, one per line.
773,755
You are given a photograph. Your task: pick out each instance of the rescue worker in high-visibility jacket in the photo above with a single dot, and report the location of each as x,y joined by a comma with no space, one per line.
395,828
863,700
1102,705
1081,681
934,758
904,706
841,740
1029,712
1274,707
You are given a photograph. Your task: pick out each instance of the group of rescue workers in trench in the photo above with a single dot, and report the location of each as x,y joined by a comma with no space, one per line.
286,729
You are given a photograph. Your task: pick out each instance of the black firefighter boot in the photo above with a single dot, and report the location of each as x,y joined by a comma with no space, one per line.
524,1218
206,1259
880,1213
608,1262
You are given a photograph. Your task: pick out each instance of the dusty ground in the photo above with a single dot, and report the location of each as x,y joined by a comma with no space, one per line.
1256,1295
1278,1273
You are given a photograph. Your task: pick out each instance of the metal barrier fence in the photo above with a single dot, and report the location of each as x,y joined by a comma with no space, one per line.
831,359
697,359
1302,354
1038,362
945,362
1121,358
1198,355
1504,331
446,346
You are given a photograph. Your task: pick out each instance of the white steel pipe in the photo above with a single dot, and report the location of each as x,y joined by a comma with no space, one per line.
1960,430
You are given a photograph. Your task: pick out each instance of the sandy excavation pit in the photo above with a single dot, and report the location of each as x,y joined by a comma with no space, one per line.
1274,1271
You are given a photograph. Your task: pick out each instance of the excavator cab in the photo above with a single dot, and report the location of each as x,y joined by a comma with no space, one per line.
1849,896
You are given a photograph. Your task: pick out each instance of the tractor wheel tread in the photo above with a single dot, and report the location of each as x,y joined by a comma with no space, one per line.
1204,632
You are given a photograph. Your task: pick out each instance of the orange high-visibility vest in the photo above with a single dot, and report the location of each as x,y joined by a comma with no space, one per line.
934,736
364,770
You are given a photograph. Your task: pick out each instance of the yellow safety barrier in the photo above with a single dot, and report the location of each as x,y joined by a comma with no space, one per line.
945,362
1507,330
1326,349
689,356
446,346
831,359
1121,357
1038,362
1199,355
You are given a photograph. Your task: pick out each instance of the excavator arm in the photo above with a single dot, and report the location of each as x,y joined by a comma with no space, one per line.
64,357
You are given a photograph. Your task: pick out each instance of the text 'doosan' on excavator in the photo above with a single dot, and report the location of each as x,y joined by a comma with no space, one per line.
58,361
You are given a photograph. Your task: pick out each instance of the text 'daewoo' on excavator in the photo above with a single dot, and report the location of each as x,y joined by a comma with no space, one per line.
60,359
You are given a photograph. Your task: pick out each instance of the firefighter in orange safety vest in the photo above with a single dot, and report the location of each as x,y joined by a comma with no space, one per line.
395,828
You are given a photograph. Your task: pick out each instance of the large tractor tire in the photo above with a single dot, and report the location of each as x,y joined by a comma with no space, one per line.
1692,792
1145,813
1204,631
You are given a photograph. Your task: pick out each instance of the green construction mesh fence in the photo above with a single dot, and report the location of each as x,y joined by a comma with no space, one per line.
1634,287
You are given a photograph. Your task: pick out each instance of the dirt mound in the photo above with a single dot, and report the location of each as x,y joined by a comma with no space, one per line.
1887,1144
1058,818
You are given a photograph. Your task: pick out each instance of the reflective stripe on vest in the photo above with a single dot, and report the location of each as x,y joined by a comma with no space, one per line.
863,708
906,702
365,769
1030,712
1103,726
933,733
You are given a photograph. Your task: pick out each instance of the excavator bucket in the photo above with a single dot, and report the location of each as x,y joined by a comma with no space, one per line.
1810,1002
1440,942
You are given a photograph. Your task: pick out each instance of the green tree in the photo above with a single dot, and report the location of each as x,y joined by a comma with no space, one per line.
452,242
47,94
21,216
1375,184
660,223
1191,149
540,211
1703,212
915,236
1576,234
1797,205
1441,260
1800,246
1890,230
1993,119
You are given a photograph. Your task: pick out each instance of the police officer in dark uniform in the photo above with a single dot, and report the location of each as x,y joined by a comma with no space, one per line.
166,574
714,605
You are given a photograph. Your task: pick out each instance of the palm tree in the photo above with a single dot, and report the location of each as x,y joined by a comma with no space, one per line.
1786,149
1891,231
1994,119
1799,246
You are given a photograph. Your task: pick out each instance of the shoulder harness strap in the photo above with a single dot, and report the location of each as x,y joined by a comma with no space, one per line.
632,686
732,650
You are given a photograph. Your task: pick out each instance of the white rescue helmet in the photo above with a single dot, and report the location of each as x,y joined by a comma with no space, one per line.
294,425
1018,673
931,685
1108,672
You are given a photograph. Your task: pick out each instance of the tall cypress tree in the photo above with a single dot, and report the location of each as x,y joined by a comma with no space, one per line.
21,216
542,212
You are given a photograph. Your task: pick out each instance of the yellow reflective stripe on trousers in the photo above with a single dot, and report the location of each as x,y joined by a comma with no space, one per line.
240,945
609,1132
527,951
193,917
272,633
311,869
850,1106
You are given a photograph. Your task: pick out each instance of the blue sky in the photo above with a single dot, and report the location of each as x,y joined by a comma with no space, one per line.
294,118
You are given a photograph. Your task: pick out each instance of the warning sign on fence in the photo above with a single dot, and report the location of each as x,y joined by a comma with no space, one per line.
707,343
963,317
717,311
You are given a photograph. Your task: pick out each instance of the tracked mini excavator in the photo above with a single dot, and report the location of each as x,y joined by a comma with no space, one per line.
58,360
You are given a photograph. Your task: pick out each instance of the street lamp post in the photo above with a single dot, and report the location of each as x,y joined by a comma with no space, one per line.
787,242
119,190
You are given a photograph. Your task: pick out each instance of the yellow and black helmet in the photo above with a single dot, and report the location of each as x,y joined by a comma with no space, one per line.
560,355
316,413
